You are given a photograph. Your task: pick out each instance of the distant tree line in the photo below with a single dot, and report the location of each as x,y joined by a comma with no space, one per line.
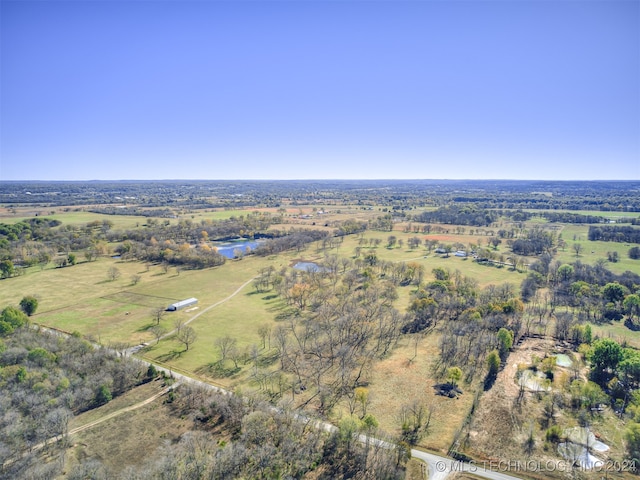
181,196
458,215
568,217
289,240
134,210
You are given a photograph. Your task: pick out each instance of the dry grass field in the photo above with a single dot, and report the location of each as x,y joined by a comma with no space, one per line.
398,380
129,439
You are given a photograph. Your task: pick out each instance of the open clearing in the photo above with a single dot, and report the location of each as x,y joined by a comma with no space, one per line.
128,439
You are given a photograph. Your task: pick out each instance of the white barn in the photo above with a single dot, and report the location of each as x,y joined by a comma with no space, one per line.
182,304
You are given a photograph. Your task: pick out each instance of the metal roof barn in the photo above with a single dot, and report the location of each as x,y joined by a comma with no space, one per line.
182,304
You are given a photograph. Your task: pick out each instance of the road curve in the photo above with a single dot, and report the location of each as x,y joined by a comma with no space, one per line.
440,467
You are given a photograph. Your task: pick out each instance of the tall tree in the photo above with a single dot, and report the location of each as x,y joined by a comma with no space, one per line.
604,357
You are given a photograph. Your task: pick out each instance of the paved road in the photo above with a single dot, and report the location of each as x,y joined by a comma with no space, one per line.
440,467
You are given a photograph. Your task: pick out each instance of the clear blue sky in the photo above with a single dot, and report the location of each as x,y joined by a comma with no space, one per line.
320,89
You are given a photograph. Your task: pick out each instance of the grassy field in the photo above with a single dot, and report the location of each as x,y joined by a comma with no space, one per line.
397,381
597,213
73,217
592,251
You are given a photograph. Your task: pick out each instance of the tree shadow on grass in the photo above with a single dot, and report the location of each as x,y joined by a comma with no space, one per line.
218,370
269,358
489,381
447,390
172,355
145,328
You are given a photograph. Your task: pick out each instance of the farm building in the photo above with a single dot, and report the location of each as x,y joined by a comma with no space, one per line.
182,304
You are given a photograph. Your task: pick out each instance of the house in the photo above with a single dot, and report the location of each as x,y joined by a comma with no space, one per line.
182,304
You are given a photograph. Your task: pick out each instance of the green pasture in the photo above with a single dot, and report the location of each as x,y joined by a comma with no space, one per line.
592,251
484,274
82,298
198,215
62,288
617,331
239,317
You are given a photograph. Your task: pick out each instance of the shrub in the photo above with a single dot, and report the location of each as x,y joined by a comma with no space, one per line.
29,304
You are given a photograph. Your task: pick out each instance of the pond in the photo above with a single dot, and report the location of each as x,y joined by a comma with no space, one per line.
228,248
308,267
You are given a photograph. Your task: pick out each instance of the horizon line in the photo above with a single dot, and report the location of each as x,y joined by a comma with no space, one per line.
320,180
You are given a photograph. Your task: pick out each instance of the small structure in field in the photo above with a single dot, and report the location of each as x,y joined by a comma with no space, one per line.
182,304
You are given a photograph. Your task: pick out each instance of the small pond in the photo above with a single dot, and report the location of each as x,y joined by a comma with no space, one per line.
228,248
308,267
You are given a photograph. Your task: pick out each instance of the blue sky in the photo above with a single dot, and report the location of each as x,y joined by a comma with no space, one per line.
320,89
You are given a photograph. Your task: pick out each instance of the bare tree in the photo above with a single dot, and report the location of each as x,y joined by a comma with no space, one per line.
225,345
577,247
113,273
158,332
135,279
265,334
187,336
158,313
178,324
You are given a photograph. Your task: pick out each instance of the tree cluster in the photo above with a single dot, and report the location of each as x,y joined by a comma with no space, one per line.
458,215
614,233
264,443
339,320
44,380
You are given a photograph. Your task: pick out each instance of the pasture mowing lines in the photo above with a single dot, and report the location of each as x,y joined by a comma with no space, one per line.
142,299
